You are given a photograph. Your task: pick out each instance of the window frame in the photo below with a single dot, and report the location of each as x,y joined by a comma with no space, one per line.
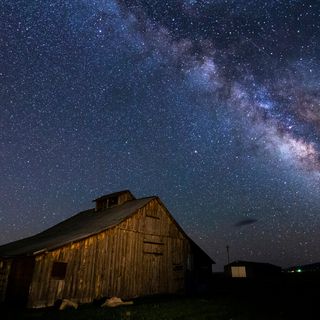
59,270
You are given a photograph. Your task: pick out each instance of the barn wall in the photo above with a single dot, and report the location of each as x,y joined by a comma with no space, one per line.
146,254
162,260
5,265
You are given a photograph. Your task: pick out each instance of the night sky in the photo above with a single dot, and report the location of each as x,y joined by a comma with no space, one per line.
212,105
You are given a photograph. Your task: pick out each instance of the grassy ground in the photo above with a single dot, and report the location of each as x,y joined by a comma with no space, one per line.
228,301
166,308
163,308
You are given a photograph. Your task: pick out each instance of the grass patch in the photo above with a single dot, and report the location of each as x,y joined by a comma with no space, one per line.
148,309
156,308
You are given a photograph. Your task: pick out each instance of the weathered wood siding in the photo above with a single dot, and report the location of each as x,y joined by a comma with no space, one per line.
146,254
124,197
5,265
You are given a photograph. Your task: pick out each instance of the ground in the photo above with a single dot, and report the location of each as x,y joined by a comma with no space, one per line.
227,300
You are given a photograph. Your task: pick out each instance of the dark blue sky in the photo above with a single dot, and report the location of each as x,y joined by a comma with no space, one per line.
212,105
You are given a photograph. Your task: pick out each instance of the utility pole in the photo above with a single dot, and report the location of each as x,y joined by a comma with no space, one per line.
228,254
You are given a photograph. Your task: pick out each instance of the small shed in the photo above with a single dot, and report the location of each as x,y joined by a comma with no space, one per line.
249,269
123,247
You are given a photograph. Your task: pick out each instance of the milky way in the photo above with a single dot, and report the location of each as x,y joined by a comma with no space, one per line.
212,105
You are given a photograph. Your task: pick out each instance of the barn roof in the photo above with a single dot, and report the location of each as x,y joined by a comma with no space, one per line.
79,226
83,225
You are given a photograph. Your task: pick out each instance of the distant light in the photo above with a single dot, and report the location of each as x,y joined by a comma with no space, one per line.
299,270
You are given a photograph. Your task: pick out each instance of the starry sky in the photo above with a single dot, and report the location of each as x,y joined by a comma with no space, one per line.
212,105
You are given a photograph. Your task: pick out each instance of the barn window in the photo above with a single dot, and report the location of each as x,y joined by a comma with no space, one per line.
151,247
152,214
59,270
190,262
112,201
238,272
178,267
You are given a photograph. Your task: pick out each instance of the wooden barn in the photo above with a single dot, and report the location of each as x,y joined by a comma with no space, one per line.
123,247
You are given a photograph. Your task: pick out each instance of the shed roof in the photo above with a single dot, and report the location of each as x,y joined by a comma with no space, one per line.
81,225
251,263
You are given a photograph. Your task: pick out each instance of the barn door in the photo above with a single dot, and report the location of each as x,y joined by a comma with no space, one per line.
19,281
152,263
178,265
